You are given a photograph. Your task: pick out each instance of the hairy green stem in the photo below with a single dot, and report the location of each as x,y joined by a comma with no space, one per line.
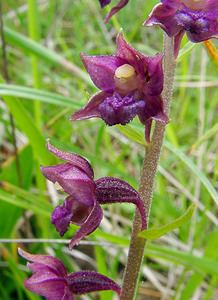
152,155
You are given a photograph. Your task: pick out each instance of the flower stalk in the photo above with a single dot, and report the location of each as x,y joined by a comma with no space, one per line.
152,155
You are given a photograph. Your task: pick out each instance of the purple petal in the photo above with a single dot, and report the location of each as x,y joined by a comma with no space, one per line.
48,278
73,181
164,16
153,111
115,9
74,159
154,72
91,109
173,4
71,211
103,3
177,42
46,260
90,281
120,110
149,69
91,223
211,5
45,283
112,190
102,69
130,55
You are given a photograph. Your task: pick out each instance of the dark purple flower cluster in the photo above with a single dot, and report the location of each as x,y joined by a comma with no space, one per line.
130,85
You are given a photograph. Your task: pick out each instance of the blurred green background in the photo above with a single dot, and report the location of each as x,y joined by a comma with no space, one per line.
44,40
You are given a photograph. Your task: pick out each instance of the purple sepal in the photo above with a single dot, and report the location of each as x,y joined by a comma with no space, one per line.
102,69
90,281
75,159
71,211
91,109
50,279
197,18
103,3
115,9
112,190
91,223
75,176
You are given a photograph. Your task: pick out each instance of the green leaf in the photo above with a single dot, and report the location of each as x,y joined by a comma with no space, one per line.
132,133
23,203
10,214
201,264
25,122
155,233
36,94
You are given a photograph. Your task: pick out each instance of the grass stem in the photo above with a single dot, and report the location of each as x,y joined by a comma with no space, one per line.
7,79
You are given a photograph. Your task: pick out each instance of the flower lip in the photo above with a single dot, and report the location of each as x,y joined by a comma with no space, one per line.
192,23
120,110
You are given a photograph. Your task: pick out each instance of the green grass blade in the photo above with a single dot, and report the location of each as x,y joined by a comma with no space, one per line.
42,52
188,47
26,124
36,94
200,264
207,135
155,233
135,133
189,163
16,201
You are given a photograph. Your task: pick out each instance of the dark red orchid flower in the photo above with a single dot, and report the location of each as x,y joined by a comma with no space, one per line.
51,280
198,18
82,206
130,83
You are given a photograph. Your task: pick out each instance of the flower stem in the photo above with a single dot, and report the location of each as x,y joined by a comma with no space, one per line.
152,155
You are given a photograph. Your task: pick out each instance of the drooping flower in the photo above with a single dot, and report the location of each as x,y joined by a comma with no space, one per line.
198,18
130,83
82,206
51,280
115,9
